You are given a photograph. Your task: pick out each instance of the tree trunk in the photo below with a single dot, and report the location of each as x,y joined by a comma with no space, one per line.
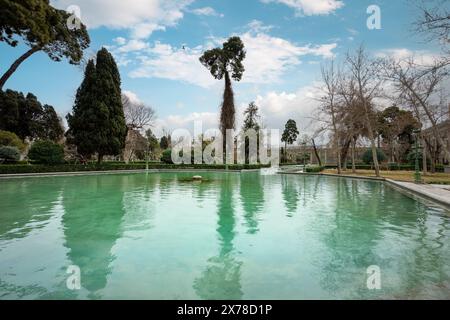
316,152
344,153
100,158
424,156
285,151
353,155
227,113
338,154
372,142
16,64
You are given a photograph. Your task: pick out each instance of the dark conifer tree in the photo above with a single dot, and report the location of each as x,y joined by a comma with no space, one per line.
97,124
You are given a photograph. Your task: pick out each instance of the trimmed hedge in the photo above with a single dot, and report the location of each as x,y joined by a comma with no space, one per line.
35,168
46,152
314,169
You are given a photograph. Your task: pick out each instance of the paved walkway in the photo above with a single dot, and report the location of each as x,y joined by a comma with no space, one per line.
437,193
433,192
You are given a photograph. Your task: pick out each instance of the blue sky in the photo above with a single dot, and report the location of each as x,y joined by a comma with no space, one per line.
157,44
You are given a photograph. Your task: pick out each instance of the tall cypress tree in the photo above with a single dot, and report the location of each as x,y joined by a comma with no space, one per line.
109,97
97,124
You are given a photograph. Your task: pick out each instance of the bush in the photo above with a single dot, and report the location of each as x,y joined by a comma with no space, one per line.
11,139
314,169
46,152
167,156
112,166
368,158
393,166
9,154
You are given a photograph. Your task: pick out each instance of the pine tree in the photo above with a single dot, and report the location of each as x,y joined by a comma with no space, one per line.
221,62
97,124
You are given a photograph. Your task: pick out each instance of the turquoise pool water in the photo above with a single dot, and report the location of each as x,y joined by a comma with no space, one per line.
236,236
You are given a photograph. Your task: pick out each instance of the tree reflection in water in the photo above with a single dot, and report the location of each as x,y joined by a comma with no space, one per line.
221,279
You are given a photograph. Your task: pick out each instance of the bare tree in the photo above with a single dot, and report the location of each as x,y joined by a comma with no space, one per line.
137,115
330,106
418,85
434,22
366,86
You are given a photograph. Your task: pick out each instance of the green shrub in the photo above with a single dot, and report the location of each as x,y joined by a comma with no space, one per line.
314,169
167,156
9,154
46,152
11,139
393,166
411,158
368,158
112,166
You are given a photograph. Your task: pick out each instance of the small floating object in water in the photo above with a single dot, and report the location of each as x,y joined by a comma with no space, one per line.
197,178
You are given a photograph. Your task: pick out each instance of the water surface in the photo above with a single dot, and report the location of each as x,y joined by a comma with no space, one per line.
236,236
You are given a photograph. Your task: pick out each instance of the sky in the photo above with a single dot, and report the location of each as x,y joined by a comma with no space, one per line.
157,44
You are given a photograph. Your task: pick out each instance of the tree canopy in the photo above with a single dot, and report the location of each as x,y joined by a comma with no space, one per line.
227,59
251,117
26,117
42,28
290,132
97,123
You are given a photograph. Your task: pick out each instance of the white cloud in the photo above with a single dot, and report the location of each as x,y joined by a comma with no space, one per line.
145,30
268,58
311,7
402,55
141,17
133,45
167,62
277,107
132,96
209,120
120,41
207,11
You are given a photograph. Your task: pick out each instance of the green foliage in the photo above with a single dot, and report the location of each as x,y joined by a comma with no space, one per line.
8,153
368,158
49,125
393,166
221,61
41,25
251,118
167,156
164,143
114,166
11,139
97,123
411,158
152,140
46,152
26,117
314,169
42,28
290,132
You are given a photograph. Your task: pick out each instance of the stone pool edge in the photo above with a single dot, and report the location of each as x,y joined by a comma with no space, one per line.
93,173
408,187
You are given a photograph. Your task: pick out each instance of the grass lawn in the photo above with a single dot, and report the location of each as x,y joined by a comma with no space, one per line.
436,178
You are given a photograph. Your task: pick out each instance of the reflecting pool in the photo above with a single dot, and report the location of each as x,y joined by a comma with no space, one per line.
233,236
